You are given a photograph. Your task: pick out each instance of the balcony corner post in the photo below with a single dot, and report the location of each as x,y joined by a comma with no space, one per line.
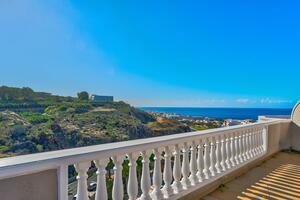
62,182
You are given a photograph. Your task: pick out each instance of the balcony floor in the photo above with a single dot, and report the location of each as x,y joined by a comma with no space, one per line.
277,178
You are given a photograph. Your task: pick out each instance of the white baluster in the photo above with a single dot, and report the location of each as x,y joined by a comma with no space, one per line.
117,191
251,143
200,174
145,180
185,167
247,145
101,191
258,141
255,142
223,153
228,151
167,189
261,141
82,168
157,176
132,188
244,145
177,187
241,152
218,155
193,164
206,159
232,150
265,139
212,167
237,150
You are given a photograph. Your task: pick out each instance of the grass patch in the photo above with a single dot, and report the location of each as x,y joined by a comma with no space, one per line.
35,118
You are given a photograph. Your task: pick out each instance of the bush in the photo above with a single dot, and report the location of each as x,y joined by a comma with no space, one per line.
18,133
3,148
83,95
35,118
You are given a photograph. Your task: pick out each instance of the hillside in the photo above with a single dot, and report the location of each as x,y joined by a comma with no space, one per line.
75,123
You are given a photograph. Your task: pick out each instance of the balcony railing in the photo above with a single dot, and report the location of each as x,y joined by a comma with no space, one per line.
182,163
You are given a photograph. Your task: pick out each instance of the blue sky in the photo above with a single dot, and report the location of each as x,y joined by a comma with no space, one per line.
155,53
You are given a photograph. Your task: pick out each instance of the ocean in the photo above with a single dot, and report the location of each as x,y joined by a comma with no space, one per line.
222,113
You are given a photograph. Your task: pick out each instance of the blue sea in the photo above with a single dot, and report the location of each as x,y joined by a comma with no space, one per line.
222,113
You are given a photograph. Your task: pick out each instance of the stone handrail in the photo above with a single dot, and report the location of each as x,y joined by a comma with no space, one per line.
189,161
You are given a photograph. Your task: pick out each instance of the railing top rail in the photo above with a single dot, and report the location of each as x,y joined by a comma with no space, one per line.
25,164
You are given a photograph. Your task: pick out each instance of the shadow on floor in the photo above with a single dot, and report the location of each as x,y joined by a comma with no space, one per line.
281,184
277,178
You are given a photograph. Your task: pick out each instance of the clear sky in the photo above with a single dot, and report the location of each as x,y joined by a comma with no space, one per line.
155,53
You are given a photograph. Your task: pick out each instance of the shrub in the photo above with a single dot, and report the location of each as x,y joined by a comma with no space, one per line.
35,118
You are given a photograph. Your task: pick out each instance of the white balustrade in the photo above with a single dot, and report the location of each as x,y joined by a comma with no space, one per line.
189,160
212,156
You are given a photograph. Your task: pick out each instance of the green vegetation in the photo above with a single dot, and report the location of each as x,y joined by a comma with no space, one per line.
33,122
35,118
36,122
199,126
83,95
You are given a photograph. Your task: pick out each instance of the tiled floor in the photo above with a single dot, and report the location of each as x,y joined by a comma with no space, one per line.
278,178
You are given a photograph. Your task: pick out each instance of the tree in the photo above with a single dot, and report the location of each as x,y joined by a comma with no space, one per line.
83,95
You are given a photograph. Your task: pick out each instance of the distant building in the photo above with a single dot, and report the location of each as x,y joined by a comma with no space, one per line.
234,122
102,98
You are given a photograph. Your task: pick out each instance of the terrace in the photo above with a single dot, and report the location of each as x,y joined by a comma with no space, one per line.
191,165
